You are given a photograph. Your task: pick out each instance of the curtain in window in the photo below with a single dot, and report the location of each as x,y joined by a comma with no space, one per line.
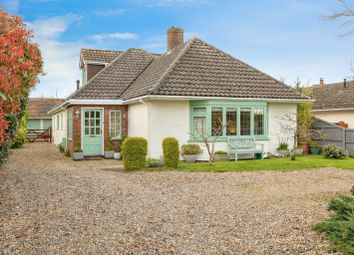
115,130
199,124
216,121
231,121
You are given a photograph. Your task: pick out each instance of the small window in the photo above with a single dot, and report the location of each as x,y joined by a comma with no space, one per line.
199,110
115,124
216,121
259,121
231,121
245,114
58,122
61,121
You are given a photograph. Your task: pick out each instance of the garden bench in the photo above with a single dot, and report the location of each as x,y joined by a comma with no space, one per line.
244,146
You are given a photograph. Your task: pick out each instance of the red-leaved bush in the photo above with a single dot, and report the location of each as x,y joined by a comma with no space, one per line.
20,65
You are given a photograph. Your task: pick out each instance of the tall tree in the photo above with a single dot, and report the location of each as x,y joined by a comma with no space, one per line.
20,66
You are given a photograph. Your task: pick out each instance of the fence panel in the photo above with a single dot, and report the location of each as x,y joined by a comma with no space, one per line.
329,133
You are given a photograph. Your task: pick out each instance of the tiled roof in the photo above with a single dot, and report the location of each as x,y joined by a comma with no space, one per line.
39,107
113,80
199,69
334,96
103,56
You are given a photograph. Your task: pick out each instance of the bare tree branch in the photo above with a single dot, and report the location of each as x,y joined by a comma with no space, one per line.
347,14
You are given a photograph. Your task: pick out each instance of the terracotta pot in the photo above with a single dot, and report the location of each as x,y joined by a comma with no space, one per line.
305,147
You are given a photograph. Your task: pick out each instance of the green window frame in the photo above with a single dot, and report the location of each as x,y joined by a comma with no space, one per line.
70,125
115,124
246,118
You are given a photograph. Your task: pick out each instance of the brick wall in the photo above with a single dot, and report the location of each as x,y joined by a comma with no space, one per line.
77,124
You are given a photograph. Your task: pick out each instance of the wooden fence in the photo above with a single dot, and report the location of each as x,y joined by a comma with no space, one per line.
330,133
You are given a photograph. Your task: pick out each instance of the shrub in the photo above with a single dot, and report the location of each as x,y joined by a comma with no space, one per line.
170,152
20,138
315,144
134,150
339,228
61,148
191,149
333,151
220,153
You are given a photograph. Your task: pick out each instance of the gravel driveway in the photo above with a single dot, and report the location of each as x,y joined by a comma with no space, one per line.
52,205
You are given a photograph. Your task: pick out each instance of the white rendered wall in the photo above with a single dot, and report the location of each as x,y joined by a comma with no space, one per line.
336,116
276,113
138,120
59,134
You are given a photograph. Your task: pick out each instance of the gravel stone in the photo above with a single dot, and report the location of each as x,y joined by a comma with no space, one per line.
53,205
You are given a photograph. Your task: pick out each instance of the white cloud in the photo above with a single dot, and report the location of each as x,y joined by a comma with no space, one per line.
11,5
103,13
60,58
121,36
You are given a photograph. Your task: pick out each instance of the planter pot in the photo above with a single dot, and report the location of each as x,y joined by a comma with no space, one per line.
315,150
78,156
117,155
108,154
155,164
305,147
284,153
221,157
299,152
190,158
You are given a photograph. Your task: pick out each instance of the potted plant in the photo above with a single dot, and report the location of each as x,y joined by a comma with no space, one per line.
108,152
152,162
283,149
78,154
315,147
221,156
190,152
299,151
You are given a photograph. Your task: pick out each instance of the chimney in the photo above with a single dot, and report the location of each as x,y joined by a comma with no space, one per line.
321,81
345,83
174,37
77,84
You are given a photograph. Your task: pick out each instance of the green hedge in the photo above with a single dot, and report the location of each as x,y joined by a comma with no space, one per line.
170,152
134,151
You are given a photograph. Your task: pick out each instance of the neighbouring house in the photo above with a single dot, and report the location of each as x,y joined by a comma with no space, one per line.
38,117
191,86
335,102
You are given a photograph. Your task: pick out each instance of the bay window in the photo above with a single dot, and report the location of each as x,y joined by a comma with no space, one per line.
228,118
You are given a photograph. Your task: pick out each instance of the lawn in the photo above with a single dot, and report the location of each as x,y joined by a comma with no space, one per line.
302,162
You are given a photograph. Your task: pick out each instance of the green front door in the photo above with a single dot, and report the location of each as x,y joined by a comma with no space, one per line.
92,132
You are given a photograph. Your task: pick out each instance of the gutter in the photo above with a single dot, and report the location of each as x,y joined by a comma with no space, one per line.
334,110
65,104
138,99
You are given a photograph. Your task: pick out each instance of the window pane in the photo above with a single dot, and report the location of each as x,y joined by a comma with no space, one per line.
97,131
86,114
92,122
231,120
87,131
115,124
245,115
199,110
97,114
199,124
259,121
216,121
97,122
92,131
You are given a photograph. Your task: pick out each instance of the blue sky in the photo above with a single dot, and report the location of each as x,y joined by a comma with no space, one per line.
284,38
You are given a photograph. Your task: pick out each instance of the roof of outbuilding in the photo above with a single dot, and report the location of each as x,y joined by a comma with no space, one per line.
39,107
333,96
194,68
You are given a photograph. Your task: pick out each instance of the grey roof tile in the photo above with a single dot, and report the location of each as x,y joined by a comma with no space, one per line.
114,79
198,69
333,96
